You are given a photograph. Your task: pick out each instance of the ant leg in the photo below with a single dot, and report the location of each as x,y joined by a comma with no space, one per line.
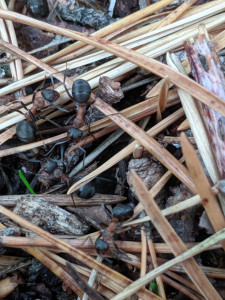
17,110
69,119
84,153
64,83
89,128
52,122
61,108
56,144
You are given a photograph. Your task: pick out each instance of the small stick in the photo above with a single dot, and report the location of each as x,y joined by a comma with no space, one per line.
63,200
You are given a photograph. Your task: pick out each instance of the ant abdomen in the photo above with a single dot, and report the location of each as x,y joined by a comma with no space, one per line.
81,91
122,212
75,133
86,191
25,131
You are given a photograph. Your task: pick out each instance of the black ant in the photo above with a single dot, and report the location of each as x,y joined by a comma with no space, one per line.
26,129
120,213
81,92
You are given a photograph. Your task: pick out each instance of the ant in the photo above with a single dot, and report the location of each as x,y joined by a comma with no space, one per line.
81,92
26,129
120,213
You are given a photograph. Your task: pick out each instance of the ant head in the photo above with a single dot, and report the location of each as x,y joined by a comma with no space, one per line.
50,166
50,95
101,245
81,91
39,102
25,131
75,133
122,212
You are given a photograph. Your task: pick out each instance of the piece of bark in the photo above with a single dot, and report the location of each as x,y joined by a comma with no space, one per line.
50,217
207,71
183,222
95,216
63,200
86,17
148,169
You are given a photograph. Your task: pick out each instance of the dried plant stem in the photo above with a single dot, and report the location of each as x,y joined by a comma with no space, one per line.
163,94
175,14
113,27
159,280
205,191
183,126
182,280
148,142
92,277
181,288
12,34
122,281
129,149
206,69
63,200
170,210
56,269
143,252
196,123
88,246
133,56
171,238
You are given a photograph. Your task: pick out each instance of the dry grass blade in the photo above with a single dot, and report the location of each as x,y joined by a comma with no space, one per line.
182,288
214,239
163,94
183,126
149,143
56,269
138,59
172,239
170,210
129,149
111,28
175,14
7,285
207,71
155,264
121,280
205,191
196,123
88,246
143,252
